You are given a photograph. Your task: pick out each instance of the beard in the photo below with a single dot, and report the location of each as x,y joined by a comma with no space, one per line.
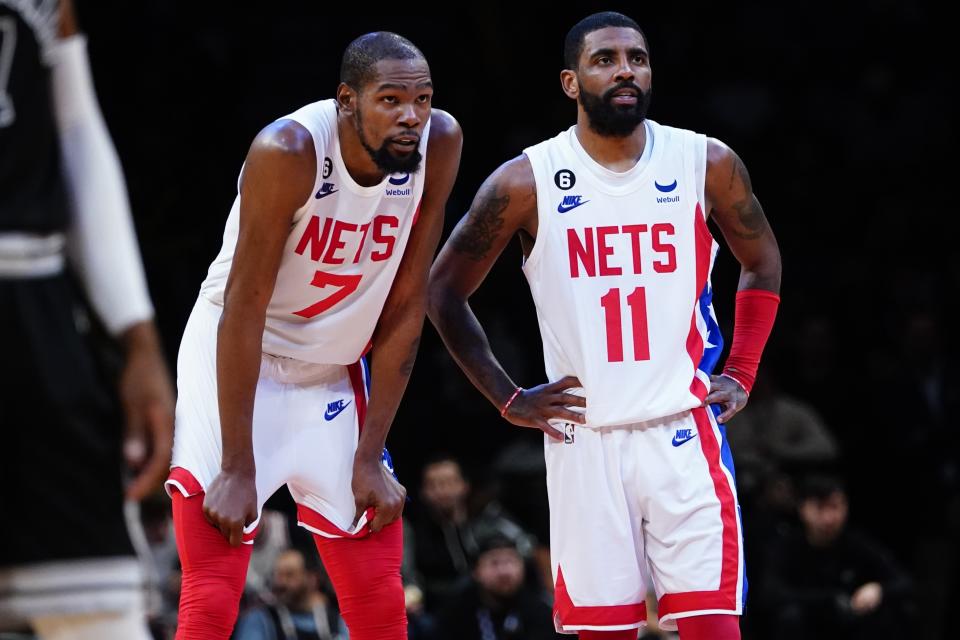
613,120
385,160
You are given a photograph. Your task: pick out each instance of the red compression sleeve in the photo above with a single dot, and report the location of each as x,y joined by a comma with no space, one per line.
756,310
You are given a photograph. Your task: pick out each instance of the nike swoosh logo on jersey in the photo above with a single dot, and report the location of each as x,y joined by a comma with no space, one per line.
665,188
326,189
682,436
335,408
569,203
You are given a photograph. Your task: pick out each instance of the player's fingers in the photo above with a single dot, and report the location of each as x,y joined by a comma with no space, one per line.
235,534
572,400
393,512
380,518
360,509
717,396
134,438
150,477
208,514
726,415
548,429
564,383
567,415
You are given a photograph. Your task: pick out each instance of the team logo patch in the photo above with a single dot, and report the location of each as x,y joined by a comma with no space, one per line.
326,189
335,408
564,179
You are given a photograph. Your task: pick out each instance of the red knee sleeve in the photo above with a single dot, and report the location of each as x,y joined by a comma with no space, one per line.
213,573
715,627
365,573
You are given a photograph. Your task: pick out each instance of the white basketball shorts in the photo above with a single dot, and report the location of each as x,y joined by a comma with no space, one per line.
652,503
305,429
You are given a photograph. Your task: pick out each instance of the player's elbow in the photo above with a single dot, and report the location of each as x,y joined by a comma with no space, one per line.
764,273
440,295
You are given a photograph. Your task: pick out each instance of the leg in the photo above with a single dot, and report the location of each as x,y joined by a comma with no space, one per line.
692,535
366,576
712,627
213,573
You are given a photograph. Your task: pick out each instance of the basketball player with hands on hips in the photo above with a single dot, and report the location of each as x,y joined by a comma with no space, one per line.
326,255
612,218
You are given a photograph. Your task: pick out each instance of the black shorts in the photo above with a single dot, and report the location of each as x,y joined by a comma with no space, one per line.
61,493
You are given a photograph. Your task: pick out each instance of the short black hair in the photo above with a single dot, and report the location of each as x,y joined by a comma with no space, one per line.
362,55
573,43
492,541
820,486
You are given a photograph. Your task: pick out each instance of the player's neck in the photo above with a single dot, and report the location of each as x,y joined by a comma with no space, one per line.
356,159
616,154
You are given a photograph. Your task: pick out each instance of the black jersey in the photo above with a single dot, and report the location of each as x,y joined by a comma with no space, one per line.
32,191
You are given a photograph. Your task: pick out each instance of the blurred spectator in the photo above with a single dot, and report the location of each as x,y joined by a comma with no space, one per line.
299,609
271,541
776,434
421,625
829,582
496,604
444,537
520,473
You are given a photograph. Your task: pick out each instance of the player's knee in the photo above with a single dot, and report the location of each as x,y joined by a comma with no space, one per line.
377,613
208,610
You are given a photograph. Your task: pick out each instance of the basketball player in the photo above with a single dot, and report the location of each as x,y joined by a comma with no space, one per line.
326,254
612,217
67,566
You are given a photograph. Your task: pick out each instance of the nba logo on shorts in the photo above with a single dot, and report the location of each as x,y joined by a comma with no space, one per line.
568,433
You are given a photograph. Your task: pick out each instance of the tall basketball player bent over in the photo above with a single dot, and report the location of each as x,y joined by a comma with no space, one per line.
325,256
612,216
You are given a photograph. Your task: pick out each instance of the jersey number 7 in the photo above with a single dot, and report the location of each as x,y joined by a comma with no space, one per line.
346,284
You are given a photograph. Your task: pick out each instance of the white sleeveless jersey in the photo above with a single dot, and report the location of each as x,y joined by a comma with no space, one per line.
620,274
339,262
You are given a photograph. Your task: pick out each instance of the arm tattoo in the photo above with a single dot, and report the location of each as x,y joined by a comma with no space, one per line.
753,224
476,236
406,367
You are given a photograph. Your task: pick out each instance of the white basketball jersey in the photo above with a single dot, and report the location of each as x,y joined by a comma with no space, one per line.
344,249
620,274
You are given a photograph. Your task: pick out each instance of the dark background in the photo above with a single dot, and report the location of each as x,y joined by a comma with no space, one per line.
842,113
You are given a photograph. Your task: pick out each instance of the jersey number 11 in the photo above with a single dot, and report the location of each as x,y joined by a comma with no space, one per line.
638,316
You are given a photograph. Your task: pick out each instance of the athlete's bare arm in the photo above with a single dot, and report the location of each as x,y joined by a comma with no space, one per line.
505,205
277,179
737,212
397,335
